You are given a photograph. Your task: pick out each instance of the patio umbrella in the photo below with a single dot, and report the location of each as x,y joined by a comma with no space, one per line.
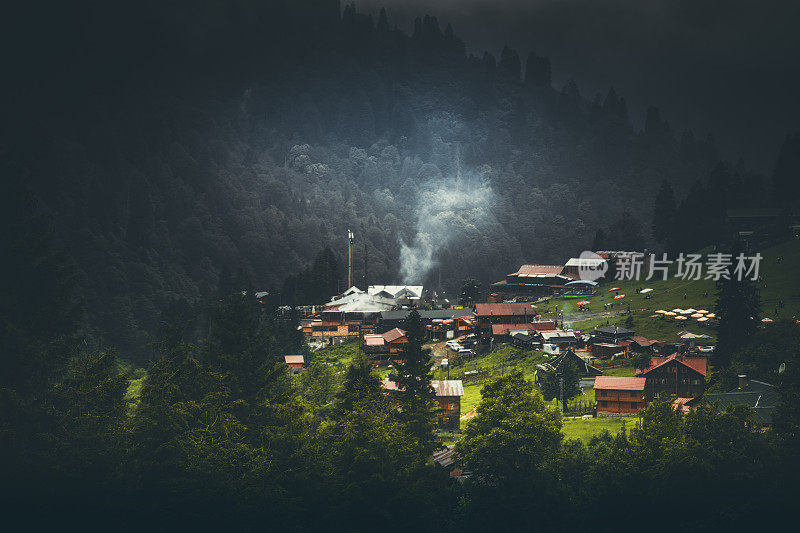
534,306
677,310
661,311
702,311
697,315
680,318
767,320
584,302
645,291
690,310
655,316
686,312
618,296
702,319
670,313
711,315
612,289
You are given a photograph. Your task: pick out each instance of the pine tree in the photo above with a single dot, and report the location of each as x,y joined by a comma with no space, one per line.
664,213
416,397
786,176
509,63
738,307
537,70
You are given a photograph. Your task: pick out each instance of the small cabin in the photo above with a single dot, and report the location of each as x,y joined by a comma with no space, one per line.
295,363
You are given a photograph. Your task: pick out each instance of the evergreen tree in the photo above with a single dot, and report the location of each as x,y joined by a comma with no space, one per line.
551,382
383,21
509,63
537,70
786,175
470,291
738,307
664,213
415,395
599,241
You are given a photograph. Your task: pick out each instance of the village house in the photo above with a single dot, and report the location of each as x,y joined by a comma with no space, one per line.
448,396
462,318
562,339
611,334
505,313
677,375
585,370
533,280
639,344
606,350
761,397
384,345
619,396
504,332
294,362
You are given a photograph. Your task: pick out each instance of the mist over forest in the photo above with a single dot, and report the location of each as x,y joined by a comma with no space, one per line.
172,148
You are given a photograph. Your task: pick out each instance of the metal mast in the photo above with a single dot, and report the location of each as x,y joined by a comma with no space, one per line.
350,237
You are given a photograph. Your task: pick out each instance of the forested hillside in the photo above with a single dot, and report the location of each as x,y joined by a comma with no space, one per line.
171,153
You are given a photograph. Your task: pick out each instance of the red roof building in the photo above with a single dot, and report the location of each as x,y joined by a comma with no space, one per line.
677,375
619,395
294,362
504,313
391,342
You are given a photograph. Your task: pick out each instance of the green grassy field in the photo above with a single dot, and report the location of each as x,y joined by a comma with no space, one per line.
586,429
779,283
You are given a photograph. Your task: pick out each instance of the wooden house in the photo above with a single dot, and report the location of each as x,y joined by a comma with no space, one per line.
487,314
295,363
448,396
619,395
384,345
585,370
503,332
533,280
677,375
611,334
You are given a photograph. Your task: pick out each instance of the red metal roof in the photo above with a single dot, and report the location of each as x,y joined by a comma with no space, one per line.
294,359
619,383
394,334
510,309
501,329
642,341
699,364
681,403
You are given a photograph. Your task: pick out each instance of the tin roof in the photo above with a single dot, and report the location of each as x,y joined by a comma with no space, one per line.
503,329
619,383
393,334
505,309
448,387
538,270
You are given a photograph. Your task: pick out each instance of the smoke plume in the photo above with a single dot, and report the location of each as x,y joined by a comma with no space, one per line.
448,212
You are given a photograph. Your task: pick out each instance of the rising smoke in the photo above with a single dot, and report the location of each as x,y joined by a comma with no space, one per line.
449,211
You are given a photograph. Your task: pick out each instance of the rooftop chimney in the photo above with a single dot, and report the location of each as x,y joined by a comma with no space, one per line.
744,383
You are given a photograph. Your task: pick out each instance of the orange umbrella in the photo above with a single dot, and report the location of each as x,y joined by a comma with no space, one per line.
618,296
584,302
613,289
766,320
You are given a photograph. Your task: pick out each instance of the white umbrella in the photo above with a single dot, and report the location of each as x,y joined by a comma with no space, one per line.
697,315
